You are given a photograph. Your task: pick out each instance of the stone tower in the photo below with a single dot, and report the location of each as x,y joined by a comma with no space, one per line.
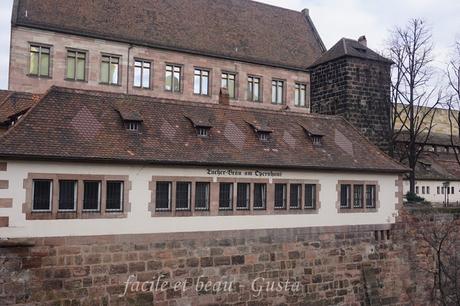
353,81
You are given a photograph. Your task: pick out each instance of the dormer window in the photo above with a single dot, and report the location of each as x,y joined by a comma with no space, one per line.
264,136
132,125
201,125
263,131
132,119
315,135
202,131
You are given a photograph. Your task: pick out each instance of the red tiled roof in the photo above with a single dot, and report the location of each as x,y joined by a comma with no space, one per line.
237,29
15,103
70,124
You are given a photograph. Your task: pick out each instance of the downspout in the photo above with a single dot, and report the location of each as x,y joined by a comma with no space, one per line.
127,69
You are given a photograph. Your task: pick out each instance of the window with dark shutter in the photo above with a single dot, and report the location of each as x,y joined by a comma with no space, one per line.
67,195
345,196
310,196
260,196
202,195
42,191
91,195
225,196
242,195
114,196
163,196
280,196
295,195
183,191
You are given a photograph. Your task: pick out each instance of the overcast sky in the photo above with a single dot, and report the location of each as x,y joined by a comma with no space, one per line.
334,19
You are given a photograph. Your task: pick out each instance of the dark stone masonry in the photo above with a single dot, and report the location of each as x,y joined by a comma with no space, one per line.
332,266
357,89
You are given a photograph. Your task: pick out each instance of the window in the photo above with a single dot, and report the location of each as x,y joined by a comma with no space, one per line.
76,65
345,196
42,195
39,60
173,78
442,190
202,192
358,196
310,196
225,196
91,195
264,136
254,89
416,190
183,192
114,196
67,195
452,190
260,196
110,69
277,92
132,125
300,96
423,189
280,196
228,82
142,72
438,190
370,196
202,131
427,189
242,195
163,196
295,195
201,82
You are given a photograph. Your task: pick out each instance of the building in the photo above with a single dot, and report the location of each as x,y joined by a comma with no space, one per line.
86,51
133,118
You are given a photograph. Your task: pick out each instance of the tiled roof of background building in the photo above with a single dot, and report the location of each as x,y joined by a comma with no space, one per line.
84,125
236,29
351,48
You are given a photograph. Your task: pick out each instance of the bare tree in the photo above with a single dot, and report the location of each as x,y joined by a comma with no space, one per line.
441,234
453,77
414,97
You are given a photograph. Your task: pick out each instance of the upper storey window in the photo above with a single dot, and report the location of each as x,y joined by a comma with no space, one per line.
300,96
110,69
173,78
39,60
142,74
228,82
76,65
254,89
201,82
277,92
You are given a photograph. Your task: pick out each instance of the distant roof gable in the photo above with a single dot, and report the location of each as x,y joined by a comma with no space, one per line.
81,125
352,48
236,29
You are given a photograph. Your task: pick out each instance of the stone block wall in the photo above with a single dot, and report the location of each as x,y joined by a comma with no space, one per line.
328,264
352,265
358,90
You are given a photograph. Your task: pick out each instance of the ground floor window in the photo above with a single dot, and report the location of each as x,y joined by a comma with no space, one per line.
202,194
296,195
243,195
67,195
225,196
280,196
260,196
42,195
310,196
357,196
163,195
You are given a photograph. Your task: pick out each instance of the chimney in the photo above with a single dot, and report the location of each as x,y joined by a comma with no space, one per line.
306,12
362,40
224,97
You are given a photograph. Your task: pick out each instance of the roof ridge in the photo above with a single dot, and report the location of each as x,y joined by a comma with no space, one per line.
189,103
